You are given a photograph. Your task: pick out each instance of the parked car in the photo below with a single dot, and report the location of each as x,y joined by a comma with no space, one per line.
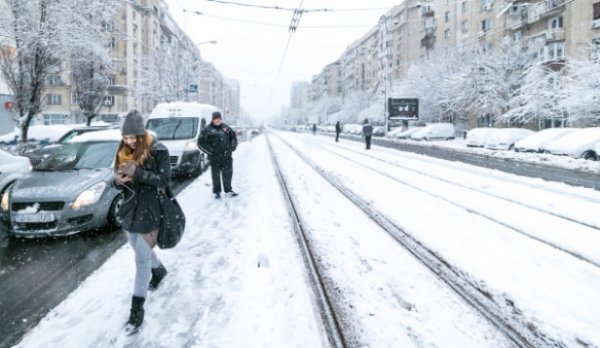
378,131
43,134
11,168
505,138
578,144
477,137
436,131
177,125
69,192
535,142
36,156
404,134
352,128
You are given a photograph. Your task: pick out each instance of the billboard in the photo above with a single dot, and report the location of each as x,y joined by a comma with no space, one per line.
403,108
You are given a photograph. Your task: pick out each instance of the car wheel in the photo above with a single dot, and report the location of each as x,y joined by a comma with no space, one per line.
590,155
5,187
113,213
512,146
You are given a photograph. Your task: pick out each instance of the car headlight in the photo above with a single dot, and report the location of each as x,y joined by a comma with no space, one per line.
190,145
4,204
89,196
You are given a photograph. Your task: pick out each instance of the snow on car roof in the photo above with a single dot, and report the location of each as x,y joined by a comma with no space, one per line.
182,109
50,132
102,135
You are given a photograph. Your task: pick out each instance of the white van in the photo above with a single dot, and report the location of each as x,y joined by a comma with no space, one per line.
177,126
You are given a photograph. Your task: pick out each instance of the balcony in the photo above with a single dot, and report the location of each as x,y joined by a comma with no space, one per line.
516,20
544,9
555,35
596,24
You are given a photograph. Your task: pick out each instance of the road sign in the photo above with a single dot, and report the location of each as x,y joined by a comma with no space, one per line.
403,108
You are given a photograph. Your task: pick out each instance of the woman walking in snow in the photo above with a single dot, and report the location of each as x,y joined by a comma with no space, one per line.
142,169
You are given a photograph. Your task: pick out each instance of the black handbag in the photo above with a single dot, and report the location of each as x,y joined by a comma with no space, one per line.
172,222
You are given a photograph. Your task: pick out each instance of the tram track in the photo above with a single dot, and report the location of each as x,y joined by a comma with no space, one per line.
498,310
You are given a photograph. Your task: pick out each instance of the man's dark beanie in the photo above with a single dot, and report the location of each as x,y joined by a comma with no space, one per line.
216,114
133,124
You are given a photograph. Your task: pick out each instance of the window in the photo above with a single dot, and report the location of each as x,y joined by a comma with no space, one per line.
55,119
135,30
464,6
486,24
446,33
447,16
109,100
108,26
113,44
134,14
54,80
556,51
596,11
465,26
74,98
517,36
555,23
111,80
53,99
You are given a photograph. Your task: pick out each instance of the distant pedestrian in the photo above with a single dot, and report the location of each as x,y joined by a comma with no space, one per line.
219,141
314,128
142,167
367,133
338,129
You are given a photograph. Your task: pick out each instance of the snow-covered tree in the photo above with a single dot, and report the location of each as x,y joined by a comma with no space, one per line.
582,89
537,96
36,37
91,63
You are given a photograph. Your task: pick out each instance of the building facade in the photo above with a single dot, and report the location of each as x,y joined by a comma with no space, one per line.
551,31
141,31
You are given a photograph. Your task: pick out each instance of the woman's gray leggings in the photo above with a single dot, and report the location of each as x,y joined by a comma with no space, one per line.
145,260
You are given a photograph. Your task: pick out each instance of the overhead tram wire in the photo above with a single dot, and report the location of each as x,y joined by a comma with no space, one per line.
292,29
295,9
277,25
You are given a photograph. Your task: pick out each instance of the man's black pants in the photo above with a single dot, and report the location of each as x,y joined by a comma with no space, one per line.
337,136
222,167
368,142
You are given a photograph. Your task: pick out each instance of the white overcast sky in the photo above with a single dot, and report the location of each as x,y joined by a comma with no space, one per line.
252,53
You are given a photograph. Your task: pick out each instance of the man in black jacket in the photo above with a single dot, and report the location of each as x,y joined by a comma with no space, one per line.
219,141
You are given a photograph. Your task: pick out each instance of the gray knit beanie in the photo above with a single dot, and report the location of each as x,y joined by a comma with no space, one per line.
133,124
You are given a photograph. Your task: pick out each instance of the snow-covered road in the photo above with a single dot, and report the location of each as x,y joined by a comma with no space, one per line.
237,279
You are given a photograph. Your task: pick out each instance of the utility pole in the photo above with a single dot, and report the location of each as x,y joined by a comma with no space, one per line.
384,59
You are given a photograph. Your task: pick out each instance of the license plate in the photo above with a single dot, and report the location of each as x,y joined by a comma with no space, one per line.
39,217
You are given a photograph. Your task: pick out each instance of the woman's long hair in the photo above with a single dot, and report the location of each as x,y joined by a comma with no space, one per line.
141,153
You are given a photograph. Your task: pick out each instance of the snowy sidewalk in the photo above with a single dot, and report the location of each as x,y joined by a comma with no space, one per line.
215,295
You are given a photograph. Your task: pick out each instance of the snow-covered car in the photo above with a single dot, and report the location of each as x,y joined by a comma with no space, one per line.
477,137
436,131
352,128
404,134
535,142
378,131
69,192
505,138
12,168
43,134
578,144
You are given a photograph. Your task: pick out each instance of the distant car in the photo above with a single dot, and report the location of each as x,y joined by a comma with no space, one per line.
405,134
578,144
352,128
477,137
505,138
69,192
378,131
38,155
535,142
11,168
435,131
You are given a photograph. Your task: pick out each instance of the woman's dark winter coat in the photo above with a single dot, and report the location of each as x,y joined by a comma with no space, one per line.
140,211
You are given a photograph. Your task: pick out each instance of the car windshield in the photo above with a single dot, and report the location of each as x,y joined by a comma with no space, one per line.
173,128
73,156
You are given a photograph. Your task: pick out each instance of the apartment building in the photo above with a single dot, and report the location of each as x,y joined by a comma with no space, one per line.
301,94
140,30
551,31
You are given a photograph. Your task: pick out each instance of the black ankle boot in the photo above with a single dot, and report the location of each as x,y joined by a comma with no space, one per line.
158,274
136,316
